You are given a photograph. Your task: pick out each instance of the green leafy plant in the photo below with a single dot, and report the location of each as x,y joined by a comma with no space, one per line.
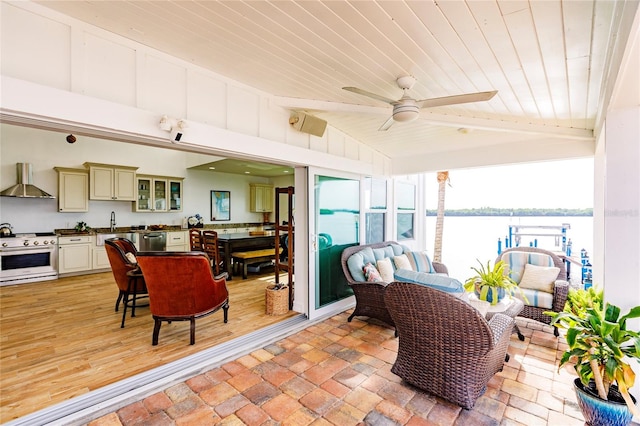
598,344
82,227
578,300
488,280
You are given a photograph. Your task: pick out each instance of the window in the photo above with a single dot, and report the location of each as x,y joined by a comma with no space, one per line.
405,215
375,200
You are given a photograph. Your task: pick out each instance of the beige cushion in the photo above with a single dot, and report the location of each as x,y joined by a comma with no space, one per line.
386,269
131,257
540,278
402,262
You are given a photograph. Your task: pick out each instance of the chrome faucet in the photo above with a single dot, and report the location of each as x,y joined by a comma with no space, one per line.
113,221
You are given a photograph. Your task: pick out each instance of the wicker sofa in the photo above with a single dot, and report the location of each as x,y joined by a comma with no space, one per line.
370,295
538,301
446,346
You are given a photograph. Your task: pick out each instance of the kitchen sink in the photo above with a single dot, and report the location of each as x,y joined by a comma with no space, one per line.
101,237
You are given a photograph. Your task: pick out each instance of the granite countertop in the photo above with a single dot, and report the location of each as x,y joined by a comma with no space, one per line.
167,228
121,230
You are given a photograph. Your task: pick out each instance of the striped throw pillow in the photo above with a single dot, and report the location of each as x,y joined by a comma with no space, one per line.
420,261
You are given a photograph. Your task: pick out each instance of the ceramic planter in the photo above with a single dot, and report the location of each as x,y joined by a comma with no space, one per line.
598,412
488,293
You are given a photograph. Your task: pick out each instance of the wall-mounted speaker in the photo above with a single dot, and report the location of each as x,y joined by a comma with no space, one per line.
308,124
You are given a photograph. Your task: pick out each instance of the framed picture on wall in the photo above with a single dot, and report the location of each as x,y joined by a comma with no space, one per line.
220,205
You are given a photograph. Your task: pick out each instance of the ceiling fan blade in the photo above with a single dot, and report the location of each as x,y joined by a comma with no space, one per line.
385,126
456,99
369,94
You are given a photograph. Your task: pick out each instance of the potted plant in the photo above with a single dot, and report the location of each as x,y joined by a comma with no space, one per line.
579,300
82,227
491,284
601,346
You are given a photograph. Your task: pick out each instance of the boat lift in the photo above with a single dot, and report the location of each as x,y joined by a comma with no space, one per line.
562,244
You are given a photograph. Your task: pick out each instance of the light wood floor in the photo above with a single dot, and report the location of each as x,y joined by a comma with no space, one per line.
62,338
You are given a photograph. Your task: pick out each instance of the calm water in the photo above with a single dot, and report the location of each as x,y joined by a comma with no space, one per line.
466,239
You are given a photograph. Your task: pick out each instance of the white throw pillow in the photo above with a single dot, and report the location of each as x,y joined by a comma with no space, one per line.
386,269
131,257
402,262
541,278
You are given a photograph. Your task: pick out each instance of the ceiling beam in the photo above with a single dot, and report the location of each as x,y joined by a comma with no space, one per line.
440,119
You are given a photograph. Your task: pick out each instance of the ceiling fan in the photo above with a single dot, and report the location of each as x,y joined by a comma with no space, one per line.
407,109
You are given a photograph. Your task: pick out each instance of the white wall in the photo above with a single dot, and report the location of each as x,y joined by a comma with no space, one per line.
124,88
46,150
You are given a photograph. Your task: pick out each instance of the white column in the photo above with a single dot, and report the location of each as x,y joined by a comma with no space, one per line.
622,214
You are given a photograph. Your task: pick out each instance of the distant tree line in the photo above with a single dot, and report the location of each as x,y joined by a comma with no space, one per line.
491,211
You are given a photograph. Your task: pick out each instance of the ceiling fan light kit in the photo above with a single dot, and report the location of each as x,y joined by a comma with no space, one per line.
405,112
407,109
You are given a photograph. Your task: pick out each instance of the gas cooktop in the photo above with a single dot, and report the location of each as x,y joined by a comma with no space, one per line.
29,235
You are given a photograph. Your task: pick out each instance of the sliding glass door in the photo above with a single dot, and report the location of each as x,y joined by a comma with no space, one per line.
335,224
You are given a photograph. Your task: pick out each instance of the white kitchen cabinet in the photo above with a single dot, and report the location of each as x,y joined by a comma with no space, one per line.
110,182
177,241
74,253
73,190
158,194
261,198
100,259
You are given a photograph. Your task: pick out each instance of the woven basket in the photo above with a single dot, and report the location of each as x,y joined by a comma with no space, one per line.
276,301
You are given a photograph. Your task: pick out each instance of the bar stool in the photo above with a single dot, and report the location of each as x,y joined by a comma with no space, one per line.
133,276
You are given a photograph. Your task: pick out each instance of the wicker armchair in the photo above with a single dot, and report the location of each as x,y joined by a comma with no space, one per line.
446,347
370,296
561,288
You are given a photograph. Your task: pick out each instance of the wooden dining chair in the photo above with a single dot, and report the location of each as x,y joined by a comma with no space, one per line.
195,240
210,246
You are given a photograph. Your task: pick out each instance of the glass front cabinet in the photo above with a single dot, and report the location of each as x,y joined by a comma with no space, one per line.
158,194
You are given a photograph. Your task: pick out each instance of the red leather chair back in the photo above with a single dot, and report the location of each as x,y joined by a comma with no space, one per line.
181,284
116,249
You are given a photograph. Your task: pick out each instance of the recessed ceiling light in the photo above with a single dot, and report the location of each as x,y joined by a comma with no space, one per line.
286,171
247,173
212,168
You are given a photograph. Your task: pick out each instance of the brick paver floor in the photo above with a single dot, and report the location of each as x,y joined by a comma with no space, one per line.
338,373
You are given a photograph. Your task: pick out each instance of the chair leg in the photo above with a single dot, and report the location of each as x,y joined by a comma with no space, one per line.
351,316
156,331
520,335
225,310
556,332
124,311
133,284
120,294
192,330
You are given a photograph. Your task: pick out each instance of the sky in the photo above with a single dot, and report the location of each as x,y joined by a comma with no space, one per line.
555,184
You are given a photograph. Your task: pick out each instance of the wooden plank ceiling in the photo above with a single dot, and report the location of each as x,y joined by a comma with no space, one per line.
547,60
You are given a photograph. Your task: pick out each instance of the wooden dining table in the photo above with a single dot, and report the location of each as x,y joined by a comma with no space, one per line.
230,243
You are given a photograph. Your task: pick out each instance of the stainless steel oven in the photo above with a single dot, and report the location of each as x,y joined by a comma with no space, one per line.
26,258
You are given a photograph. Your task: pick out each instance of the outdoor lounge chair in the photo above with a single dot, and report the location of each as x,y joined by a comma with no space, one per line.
370,295
538,301
446,346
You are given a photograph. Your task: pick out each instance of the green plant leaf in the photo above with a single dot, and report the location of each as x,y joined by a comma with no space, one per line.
612,313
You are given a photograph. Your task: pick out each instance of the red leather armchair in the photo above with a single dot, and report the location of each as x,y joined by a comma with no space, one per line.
182,287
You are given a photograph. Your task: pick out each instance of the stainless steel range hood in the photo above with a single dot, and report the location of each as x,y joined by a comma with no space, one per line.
25,188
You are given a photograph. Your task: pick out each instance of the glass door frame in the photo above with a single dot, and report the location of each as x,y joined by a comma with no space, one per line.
343,304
